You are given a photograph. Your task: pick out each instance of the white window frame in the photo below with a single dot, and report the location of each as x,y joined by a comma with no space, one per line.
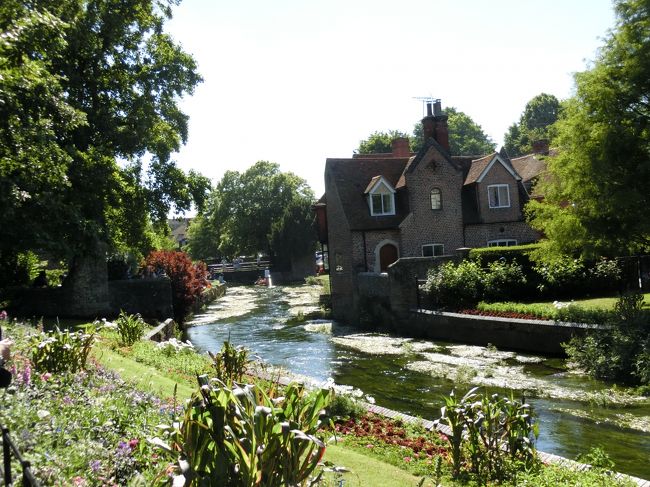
497,188
438,192
502,242
387,195
434,246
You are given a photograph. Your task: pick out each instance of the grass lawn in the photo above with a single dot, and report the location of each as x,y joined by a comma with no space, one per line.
144,377
365,470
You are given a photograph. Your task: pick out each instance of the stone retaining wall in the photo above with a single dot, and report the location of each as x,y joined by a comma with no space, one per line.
537,336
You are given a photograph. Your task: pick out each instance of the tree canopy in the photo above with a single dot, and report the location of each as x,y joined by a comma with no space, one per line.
597,194
466,137
379,142
539,115
88,122
260,210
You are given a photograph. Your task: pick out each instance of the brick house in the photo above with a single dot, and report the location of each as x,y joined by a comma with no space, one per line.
380,207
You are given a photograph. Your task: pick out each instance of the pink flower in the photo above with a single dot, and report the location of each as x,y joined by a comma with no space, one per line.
407,459
370,445
3,315
46,376
79,480
133,443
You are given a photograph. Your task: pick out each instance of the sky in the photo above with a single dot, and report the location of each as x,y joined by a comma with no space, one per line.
296,82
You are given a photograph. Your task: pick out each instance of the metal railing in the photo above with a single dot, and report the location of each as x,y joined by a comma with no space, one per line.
9,448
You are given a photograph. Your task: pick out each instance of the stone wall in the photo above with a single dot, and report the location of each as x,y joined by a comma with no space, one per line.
535,336
478,235
152,298
424,225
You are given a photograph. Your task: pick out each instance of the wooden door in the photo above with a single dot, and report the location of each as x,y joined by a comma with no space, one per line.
387,255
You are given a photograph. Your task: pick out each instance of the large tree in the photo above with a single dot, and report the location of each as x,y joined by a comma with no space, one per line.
379,142
259,210
88,122
535,123
597,195
466,137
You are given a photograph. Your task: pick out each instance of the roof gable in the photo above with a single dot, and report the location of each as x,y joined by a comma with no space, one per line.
481,167
376,182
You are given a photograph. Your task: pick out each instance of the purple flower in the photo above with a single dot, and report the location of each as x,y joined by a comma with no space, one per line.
95,465
27,375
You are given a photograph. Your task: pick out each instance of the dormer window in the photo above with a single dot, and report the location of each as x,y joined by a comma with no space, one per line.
381,197
499,195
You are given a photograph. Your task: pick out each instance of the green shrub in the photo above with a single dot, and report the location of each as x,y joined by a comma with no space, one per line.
230,363
345,406
491,435
61,351
241,437
456,285
619,352
561,276
130,328
503,280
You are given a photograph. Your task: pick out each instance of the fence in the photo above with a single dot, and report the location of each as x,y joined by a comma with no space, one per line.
9,448
239,266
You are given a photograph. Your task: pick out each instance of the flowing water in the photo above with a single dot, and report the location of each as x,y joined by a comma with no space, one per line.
408,375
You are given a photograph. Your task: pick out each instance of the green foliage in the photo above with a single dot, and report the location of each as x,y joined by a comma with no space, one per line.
83,84
597,457
130,328
501,279
87,427
516,253
535,124
466,137
379,142
345,406
240,436
466,283
260,210
482,427
176,359
596,196
456,285
619,352
18,269
61,351
230,363
187,279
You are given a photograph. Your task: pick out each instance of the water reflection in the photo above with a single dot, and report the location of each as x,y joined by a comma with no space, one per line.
411,375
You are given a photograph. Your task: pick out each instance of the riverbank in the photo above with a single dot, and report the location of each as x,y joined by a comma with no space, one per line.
410,375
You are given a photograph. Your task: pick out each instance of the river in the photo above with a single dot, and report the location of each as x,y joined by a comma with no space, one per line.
575,413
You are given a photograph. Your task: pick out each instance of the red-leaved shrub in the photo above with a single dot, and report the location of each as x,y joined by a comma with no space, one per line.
187,279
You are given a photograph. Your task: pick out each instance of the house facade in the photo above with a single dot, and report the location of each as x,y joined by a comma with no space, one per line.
380,207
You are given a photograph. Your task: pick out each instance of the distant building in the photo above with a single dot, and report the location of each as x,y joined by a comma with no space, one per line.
179,228
380,207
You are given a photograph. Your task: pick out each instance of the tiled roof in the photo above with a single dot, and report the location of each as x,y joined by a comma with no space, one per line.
528,167
351,178
477,167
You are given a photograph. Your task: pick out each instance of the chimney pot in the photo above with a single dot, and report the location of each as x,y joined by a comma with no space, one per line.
400,147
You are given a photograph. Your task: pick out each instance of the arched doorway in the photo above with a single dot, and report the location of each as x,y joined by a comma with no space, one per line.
387,255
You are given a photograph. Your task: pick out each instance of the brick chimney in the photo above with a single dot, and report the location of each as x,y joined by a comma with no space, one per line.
435,124
400,147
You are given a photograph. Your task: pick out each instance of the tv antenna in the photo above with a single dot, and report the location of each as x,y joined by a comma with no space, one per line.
427,101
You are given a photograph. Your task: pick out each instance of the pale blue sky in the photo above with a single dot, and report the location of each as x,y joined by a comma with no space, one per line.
295,82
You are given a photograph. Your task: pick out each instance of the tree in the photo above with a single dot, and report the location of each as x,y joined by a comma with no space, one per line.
379,142
89,120
535,122
259,210
596,198
466,137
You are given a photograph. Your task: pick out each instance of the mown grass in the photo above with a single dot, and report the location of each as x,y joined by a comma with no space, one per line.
582,309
